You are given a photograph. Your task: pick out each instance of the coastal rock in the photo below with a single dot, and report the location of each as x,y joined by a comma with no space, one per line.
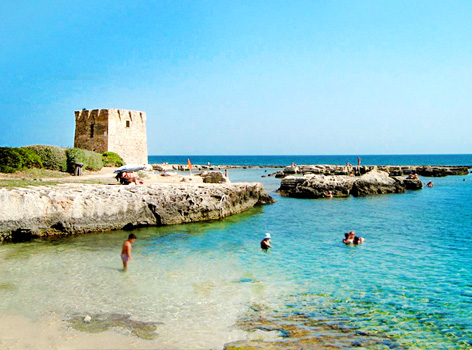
410,184
67,209
213,177
376,182
279,174
316,186
320,186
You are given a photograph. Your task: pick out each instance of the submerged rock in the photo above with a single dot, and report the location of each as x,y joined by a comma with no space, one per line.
26,213
299,331
103,322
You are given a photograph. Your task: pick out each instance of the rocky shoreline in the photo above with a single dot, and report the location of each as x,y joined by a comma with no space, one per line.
67,209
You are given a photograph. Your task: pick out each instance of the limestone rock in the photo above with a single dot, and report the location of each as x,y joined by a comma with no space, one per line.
69,209
376,182
372,183
213,177
316,186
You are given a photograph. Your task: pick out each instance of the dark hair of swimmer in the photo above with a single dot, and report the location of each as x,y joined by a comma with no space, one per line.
131,236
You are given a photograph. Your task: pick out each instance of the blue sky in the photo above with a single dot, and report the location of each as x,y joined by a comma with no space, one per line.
243,77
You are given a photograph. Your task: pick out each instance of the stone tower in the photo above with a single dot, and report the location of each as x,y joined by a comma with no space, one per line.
113,130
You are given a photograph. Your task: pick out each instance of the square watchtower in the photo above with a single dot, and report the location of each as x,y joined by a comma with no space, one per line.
113,130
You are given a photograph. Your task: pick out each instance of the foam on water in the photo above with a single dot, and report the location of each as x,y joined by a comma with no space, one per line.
411,280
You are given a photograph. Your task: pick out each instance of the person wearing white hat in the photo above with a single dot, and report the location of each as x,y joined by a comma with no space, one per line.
265,243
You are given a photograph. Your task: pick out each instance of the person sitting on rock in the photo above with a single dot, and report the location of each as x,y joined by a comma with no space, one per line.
413,176
351,238
328,194
265,243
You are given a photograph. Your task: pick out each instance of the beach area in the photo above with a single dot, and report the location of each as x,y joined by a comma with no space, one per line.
208,286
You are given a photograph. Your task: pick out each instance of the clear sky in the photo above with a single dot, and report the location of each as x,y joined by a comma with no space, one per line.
243,77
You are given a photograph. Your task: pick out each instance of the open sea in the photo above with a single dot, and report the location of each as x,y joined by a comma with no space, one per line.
409,286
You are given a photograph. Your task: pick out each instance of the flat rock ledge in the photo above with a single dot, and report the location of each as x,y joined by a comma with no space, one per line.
27,213
372,183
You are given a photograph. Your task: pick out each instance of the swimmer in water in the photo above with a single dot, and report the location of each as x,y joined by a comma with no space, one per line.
351,238
265,243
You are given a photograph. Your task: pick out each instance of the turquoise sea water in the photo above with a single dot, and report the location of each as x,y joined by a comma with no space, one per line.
411,281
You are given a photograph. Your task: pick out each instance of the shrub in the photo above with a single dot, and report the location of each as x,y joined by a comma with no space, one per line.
53,158
10,160
13,159
112,159
94,161
29,158
89,159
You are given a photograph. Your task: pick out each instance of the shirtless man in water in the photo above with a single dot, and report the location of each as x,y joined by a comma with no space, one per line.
126,250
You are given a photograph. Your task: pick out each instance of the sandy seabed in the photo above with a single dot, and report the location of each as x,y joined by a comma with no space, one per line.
19,332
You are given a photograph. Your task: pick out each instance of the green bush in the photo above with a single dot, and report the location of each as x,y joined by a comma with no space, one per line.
89,159
10,160
30,158
94,161
13,159
112,159
53,158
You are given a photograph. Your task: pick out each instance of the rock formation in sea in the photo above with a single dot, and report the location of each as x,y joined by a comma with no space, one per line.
68,209
320,186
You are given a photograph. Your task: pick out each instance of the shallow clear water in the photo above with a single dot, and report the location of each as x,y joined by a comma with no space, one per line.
411,280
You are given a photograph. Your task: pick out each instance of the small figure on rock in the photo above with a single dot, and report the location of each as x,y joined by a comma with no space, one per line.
351,238
328,194
265,243
413,176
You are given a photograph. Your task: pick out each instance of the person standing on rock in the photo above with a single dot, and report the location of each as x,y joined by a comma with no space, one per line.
126,250
265,243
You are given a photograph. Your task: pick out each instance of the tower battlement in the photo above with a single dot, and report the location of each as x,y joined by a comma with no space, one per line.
113,130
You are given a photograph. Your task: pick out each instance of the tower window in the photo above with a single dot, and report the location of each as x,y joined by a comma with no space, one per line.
127,123
92,130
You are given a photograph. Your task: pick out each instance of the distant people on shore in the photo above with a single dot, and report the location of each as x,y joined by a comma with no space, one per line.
351,238
413,176
126,250
429,184
265,243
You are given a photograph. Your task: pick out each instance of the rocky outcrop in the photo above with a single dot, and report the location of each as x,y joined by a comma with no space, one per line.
213,177
376,182
68,209
316,186
321,186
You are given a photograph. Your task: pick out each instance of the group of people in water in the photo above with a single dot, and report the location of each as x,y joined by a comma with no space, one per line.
350,238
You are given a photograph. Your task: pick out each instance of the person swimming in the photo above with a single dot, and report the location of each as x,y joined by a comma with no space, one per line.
351,238
265,243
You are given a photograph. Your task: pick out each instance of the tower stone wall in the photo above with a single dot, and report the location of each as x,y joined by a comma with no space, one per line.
113,130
